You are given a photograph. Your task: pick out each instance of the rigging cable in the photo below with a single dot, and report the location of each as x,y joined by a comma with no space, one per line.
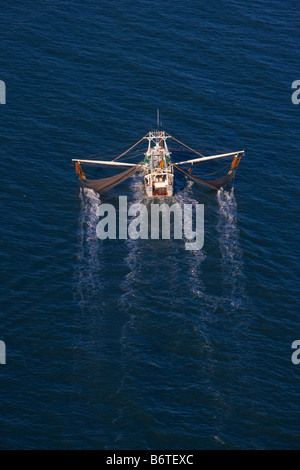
187,146
129,149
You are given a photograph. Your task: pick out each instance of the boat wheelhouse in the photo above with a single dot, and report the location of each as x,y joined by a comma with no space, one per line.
158,168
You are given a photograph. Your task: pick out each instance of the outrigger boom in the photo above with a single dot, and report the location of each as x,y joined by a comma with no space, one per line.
212,157
158,167
103,162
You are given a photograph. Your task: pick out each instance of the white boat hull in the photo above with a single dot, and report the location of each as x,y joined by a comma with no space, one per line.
158,170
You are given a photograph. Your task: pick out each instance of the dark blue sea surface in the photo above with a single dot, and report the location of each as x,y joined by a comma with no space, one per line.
141,344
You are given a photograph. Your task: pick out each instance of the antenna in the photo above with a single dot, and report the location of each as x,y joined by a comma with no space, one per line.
157,118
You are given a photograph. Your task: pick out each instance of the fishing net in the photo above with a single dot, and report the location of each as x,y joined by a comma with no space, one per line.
216,183
105,184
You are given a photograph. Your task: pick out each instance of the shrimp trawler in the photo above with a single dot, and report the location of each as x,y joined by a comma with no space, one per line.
157,167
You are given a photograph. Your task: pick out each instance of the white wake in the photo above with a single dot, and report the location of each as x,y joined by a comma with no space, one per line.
229,242
89,250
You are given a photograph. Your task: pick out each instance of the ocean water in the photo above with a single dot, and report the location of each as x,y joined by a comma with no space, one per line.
143,344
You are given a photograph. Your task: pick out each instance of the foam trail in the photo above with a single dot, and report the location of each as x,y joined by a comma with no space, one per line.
137,188
205,304
186,195
232,257
133,260
87,217
88,220
89,255
196,258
